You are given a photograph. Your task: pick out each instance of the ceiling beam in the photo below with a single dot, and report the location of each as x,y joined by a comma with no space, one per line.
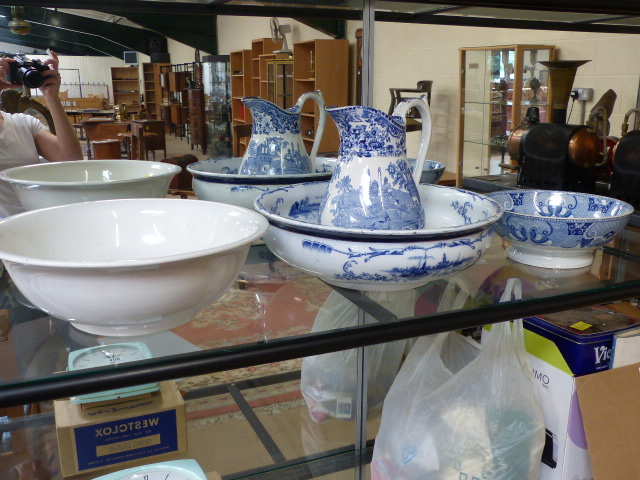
69,34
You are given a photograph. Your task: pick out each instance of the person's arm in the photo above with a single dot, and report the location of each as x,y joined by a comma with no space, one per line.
64,145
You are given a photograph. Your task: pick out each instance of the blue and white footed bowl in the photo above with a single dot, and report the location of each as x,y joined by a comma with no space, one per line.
431,173
457,233
218,180
556,229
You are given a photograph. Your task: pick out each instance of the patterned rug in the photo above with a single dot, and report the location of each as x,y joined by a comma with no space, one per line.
249,312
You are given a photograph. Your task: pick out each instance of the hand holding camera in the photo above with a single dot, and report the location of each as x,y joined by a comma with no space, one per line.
20,70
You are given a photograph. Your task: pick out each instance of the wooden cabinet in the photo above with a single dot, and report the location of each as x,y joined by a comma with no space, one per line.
125,83
321,65
497,87
278,82
153,97
197,122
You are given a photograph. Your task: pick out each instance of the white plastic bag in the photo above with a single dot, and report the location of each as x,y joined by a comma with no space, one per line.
458,410
329,381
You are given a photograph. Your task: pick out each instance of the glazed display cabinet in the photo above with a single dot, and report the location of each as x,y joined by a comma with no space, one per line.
239,362
498,85
217,102
280,83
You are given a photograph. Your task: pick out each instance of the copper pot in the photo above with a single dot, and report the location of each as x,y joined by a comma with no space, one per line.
513,144
585,148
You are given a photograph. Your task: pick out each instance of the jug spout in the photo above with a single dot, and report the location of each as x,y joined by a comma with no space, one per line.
269,117
366,131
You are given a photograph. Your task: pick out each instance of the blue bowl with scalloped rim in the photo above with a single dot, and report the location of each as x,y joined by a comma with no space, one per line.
556,229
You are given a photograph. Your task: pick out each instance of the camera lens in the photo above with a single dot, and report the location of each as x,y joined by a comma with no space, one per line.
31,77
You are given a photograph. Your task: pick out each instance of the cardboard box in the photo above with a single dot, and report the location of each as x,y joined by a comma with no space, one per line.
584,336
609,402
123,434
565,455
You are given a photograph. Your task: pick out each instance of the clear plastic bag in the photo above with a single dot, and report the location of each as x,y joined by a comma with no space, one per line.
461,410
329,381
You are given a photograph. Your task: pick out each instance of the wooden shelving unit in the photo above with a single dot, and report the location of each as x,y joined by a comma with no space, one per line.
321,65
264,61
317,65
125,83
240,85
153,89
260,48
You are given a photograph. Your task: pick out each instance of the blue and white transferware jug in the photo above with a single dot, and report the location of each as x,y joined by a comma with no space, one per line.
372,185
276,146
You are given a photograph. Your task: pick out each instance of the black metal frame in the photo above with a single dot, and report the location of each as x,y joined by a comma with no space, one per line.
210,361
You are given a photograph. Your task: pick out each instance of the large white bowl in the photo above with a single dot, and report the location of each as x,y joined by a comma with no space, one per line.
128,267
555,229
457,234
218,180
59,183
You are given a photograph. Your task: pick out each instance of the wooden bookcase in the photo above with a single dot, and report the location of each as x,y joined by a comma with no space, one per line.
317,65
240,85
153,97
260,48
125,83
321,65
263,63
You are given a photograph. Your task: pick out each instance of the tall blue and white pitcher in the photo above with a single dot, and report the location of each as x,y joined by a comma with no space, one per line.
276,146
372,186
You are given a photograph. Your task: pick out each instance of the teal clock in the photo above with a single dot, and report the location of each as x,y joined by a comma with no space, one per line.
172,470
114,354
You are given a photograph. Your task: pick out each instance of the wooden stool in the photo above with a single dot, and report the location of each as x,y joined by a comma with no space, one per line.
107,149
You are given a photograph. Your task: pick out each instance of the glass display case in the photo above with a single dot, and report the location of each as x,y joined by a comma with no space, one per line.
497,87
280,83
243,362
216,72
239,362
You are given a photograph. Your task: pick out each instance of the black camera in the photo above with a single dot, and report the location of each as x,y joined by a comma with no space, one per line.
26,72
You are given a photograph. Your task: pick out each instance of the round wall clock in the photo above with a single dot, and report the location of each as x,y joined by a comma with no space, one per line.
114,354
172,470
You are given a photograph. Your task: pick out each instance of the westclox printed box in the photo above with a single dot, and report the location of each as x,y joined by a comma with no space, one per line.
121,434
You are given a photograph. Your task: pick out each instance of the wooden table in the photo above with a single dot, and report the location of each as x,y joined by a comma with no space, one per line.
140,136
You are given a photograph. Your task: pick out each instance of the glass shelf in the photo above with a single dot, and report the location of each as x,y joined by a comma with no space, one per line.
277,298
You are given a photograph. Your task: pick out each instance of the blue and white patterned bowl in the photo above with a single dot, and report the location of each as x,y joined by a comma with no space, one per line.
556,229
457,234
218,180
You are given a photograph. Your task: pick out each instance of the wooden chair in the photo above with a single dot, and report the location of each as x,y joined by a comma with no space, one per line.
151,137
102,135
15,101
400,94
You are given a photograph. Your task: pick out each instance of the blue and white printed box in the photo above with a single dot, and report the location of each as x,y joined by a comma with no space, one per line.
121,434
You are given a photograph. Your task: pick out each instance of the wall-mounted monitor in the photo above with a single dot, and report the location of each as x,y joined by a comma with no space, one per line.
131,59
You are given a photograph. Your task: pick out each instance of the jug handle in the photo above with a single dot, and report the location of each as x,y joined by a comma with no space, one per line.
317,96
425,114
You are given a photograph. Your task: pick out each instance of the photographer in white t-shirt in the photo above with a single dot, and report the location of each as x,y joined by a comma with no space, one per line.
23,138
